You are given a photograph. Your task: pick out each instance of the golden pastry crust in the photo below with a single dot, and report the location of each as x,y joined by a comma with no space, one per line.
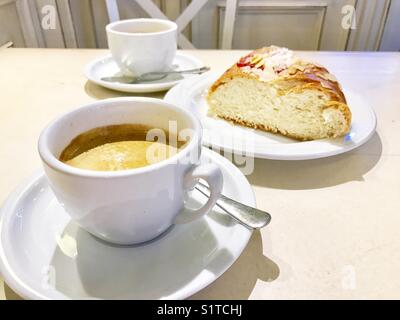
298,77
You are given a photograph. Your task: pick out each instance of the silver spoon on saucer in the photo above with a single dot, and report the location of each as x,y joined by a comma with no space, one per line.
153,76
250,217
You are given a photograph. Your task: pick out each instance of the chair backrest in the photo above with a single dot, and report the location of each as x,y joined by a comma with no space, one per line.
112,10
184,19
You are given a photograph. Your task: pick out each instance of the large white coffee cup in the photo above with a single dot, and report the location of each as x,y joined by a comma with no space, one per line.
142,45
136,205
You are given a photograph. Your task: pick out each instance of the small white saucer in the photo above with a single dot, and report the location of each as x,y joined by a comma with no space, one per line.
106,67
43,255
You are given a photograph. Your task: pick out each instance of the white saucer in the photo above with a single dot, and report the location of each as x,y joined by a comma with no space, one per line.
223,135
105,66
43,255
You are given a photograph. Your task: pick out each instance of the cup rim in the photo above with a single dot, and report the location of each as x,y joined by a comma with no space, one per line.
172,24
53,162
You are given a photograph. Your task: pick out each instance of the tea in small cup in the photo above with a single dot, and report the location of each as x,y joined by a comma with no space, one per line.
140,46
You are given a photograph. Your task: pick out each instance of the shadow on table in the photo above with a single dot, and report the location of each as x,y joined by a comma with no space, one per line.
236,283
88,267
151,270
319,173
154,269
10,294
240,279
98,92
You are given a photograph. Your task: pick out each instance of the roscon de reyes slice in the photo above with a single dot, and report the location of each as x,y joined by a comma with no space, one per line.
273,90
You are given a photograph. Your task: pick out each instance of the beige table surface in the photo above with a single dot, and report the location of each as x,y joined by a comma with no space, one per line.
335,231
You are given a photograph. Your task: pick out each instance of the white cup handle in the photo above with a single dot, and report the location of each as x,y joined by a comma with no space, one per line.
212,174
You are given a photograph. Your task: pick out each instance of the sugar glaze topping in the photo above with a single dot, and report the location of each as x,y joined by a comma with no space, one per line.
267,63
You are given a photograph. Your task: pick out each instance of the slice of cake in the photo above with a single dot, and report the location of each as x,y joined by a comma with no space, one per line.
273,90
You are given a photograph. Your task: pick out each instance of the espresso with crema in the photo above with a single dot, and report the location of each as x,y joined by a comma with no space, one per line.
117,147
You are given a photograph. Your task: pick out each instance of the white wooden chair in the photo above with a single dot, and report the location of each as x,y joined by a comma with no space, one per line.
184,19
8,44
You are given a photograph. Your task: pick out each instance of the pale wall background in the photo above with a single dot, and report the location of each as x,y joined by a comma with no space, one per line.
300,24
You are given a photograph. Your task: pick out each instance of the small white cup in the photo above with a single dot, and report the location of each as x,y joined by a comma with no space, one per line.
128,206
142,45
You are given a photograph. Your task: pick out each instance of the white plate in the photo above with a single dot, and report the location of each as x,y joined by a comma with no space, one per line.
43,255
105,66
223,135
